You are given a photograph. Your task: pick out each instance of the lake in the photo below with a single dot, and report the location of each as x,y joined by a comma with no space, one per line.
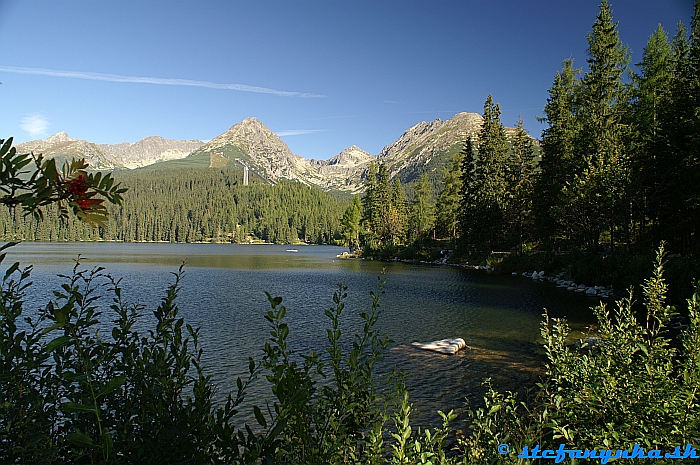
223,292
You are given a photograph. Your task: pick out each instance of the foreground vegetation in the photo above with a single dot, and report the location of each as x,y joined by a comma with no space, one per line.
72,394
80,384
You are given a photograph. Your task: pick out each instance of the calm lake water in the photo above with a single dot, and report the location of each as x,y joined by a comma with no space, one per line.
223,292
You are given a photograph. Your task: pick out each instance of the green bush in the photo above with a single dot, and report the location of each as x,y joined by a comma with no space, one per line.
635,383
70,395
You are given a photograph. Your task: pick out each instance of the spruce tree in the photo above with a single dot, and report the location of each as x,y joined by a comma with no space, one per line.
490,180
652,94
350,223
520,176
448,202
468,215
399,212
592,199
423,210
560,163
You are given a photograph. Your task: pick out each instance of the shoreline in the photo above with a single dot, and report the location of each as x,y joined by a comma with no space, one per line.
602,292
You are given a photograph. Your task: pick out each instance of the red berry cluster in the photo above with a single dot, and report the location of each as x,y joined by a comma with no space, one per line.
78,188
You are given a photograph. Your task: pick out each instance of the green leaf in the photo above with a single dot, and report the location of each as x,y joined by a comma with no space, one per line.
113,385
70,407
107,444
259,416
278,428
53,327
57,343
50,169
79,439
70,376
495,409
11,270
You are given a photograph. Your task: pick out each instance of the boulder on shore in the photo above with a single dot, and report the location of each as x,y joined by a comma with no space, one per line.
448,346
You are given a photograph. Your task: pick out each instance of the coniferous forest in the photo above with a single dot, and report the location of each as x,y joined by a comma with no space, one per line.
195,205
617,169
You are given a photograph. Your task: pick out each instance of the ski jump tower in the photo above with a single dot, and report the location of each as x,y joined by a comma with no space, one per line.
246,170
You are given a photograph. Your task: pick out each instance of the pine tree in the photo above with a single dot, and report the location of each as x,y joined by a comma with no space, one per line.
591,200
652,94
520,175
447,205
423,210
677,202
559,164
350,223
399,214
490,181
468,210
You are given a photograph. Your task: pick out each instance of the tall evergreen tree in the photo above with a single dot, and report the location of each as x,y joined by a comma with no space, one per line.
677,202
448,202
651,96
350,223
490,174
560,162
423,209
468,210
520,179
399,213
592,200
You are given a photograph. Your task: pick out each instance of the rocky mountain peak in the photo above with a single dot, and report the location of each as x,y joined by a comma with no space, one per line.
59,137
351,156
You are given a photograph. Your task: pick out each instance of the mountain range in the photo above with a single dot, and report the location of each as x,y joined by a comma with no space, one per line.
424,148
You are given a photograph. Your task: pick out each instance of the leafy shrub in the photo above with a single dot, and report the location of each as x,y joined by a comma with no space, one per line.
70,395
636,384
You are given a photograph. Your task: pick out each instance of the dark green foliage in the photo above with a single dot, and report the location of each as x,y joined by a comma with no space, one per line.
384,211
496,186
620,161
634,384
73,396
447,205
350,223
198,205
423,208
559,165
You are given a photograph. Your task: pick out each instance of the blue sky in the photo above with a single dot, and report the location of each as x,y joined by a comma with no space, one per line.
322,74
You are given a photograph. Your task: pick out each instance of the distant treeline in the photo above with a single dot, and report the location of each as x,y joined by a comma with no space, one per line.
194,205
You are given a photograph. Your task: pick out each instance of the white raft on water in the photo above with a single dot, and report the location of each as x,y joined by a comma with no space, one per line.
444,346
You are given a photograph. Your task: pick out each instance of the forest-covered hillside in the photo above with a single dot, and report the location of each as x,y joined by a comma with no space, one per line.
194,205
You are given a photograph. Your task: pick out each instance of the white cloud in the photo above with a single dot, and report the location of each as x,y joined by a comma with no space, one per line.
35,125
154,80
298,132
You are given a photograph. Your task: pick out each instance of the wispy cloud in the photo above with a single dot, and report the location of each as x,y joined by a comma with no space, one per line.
154,80
298,132
391,102
35,125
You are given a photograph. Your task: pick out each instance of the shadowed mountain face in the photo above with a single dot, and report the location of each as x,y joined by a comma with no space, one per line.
426,147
